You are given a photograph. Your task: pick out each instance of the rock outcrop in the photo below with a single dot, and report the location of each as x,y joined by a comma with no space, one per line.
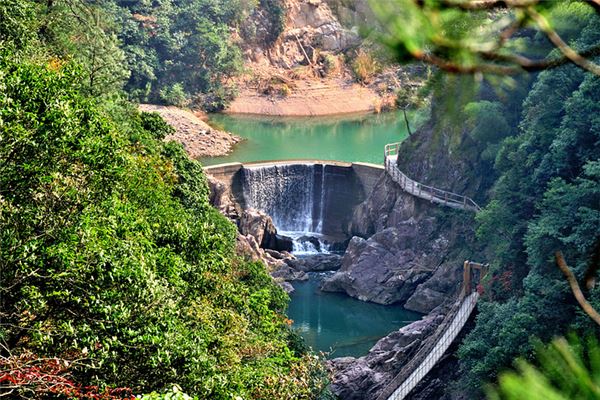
386,268
260,225
317,262
197,137
363,378
405,251
221,198
310,25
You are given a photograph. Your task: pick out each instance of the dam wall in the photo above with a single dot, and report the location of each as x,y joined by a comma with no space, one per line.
301,195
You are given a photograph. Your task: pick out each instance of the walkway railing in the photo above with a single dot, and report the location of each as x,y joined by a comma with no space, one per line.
424,361
437,344
422,191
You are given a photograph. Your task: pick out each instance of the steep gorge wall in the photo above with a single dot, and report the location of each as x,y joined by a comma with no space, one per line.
411,252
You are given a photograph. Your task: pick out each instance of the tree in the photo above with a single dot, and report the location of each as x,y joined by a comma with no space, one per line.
112,259
84,32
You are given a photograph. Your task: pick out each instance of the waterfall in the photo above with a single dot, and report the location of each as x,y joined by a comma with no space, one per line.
287,193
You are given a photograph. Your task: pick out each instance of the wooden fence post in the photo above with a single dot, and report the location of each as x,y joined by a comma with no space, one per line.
466,278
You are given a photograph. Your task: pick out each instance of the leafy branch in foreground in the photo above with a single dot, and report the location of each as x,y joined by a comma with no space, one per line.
470,36
569,369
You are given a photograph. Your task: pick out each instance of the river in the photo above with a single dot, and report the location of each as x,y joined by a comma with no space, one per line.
330,322
339,324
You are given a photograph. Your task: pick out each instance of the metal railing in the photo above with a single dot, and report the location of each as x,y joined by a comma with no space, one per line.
424,191
419,366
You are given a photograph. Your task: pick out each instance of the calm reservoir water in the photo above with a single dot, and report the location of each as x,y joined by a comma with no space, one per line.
342,138
339,323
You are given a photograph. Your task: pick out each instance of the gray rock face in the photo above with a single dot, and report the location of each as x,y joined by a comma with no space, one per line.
387,206
287,273
317,263
258,224
443,284
286,286
427,249
385,268
425,300
222,199
363,378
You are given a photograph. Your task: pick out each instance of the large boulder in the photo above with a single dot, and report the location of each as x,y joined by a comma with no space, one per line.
287,273
316,262
363,378
444,284
384,269
258,224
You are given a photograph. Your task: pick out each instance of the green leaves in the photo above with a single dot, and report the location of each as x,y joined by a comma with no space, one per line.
111,254
567,370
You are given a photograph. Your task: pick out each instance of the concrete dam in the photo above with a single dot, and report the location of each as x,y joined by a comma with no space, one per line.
303,195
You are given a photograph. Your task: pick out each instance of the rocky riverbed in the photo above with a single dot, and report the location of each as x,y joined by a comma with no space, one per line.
197,137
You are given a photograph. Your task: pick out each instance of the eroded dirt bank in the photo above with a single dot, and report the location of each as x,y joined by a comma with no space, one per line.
309,98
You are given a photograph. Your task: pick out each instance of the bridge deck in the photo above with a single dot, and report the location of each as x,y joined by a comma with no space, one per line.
424,361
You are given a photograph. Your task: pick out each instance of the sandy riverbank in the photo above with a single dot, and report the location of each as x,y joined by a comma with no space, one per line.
310,98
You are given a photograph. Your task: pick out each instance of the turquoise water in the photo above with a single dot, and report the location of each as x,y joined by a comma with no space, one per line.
342,325
342,138
329,322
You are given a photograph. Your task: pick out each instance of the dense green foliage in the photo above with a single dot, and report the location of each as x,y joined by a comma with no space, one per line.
546,198
534,144
179,49
172,52
567,370
110,255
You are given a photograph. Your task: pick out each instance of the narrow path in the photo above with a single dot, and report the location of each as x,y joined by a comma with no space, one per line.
422,191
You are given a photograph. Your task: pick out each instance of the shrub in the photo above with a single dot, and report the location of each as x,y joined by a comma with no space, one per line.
174,95
112,256
364,66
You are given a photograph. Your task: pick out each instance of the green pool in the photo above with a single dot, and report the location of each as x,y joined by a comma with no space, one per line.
342,138
339,324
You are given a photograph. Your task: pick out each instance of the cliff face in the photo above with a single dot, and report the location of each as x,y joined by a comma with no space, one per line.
410,252
445,158
309,68
310,28
353,13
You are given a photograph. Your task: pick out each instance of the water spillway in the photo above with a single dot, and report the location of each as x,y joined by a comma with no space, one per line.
292,194
302,196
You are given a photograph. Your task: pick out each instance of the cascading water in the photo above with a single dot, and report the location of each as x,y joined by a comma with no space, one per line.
294,197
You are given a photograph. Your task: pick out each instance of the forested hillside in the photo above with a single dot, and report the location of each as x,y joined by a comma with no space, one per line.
546,199
117,277
518,121
172,52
